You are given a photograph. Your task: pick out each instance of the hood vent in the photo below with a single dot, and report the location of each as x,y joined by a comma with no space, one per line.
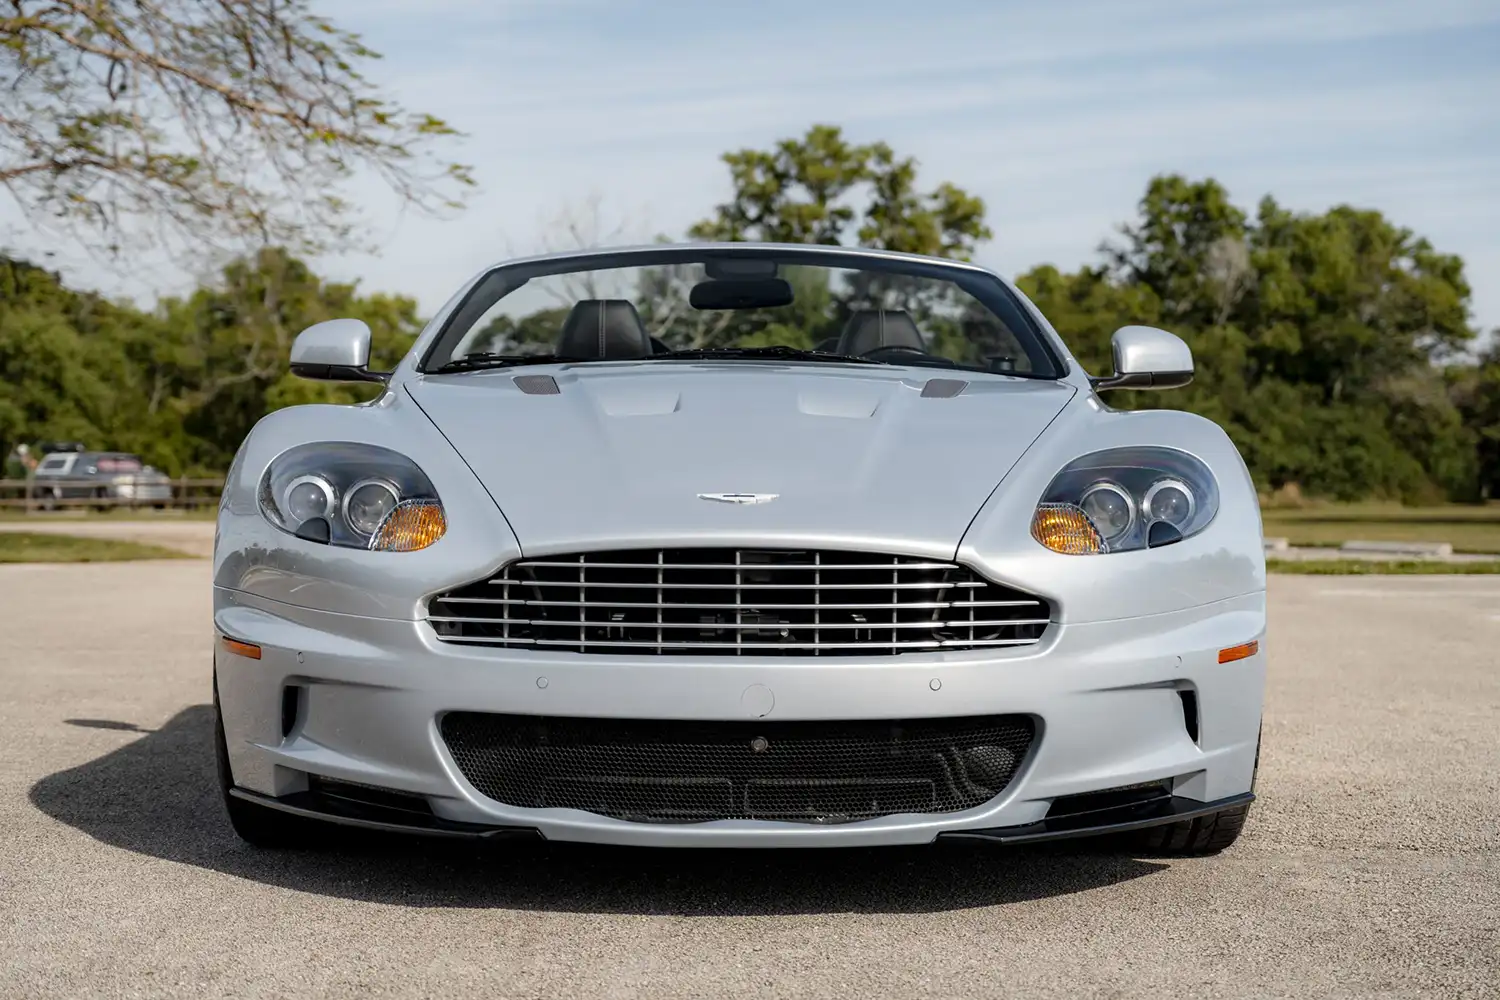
537,385
943,388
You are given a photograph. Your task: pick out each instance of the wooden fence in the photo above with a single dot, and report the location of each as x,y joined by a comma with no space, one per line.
23,495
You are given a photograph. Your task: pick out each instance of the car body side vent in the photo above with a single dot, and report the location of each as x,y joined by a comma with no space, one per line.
943,388
537,385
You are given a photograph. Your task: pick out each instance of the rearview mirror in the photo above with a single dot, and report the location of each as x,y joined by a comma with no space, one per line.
1147,358
336,350
757,293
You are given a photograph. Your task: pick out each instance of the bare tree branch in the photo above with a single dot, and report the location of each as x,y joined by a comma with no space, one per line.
227,123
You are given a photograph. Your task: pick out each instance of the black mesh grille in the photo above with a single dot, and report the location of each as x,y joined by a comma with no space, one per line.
738,602
685,772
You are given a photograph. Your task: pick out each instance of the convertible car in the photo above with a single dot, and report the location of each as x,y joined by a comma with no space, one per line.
739,545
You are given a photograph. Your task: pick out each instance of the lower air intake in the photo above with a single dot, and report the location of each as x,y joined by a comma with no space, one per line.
689,772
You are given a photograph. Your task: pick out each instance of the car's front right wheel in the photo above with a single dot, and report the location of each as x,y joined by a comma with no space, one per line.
1200,836
256,824
1204,835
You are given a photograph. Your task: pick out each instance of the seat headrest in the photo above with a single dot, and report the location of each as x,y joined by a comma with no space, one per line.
868,329
604,328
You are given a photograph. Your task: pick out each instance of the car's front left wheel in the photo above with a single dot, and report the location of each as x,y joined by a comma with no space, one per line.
256,824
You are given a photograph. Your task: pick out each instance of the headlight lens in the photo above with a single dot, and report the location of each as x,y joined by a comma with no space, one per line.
308,497
1110,508
367,505
1169,500
1134,498
352,495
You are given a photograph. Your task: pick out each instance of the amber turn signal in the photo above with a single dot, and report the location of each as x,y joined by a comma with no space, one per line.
235,646
413,525
1066,529
1240,652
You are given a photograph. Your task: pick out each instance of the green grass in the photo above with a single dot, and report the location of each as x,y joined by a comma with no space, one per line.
116,514
1373,567
42,547
1469,527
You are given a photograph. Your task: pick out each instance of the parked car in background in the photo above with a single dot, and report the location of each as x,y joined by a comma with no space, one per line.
110,477
49,447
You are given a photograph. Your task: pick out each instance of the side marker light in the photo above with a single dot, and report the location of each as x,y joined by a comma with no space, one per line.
235,646
1240,652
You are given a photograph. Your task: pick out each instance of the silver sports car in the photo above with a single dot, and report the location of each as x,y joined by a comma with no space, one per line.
740,545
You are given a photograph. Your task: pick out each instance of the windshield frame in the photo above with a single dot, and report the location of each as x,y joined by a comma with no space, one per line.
983,285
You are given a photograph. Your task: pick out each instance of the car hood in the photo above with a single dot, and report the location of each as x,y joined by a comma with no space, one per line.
856,457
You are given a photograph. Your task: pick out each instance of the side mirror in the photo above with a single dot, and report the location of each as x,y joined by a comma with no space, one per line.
336,350
1147,358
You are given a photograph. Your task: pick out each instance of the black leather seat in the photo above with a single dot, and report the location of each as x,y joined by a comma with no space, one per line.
869,329
604,328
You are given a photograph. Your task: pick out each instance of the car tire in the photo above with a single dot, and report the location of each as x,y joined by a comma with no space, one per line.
1204,835
101,494
256,824
1198,837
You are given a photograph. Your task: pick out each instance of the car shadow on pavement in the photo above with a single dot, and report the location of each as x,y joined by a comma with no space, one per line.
158,796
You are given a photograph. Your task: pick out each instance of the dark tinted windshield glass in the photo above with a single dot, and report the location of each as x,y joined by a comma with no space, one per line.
635,306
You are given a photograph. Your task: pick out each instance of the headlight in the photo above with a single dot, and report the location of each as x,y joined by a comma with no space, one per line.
1123,499
354,495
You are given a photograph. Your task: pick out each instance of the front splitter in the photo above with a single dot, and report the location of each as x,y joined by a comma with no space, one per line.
1122,819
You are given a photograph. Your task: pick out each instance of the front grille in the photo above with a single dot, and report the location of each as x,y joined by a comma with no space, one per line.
687,772
738,601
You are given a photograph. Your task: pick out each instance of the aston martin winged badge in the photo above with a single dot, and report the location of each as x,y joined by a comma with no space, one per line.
739,497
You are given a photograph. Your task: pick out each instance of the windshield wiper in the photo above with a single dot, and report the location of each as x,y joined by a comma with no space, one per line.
476,362
778,351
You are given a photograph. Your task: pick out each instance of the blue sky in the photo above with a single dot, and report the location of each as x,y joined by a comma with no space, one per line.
1055,113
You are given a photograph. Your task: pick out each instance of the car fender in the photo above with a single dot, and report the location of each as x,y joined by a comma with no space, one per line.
1223,561
253,556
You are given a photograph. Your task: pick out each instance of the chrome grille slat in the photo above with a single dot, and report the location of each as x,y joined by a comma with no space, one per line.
596,585
816,605
761,649
738,602
697,625
813,566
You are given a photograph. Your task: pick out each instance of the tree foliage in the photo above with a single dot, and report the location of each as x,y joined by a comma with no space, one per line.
1320,340
205,121
1476,391
1334,347
823,189
181,384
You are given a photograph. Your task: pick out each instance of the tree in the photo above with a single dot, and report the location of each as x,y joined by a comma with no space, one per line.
223,364
1476,391
1318,339
62,360
183,384
806,191
229,122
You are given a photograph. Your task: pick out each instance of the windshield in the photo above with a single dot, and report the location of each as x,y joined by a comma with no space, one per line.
785,305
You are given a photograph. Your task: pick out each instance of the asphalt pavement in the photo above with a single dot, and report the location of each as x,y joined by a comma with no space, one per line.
1370,868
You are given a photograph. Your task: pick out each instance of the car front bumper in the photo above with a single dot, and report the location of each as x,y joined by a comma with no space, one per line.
1108,697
